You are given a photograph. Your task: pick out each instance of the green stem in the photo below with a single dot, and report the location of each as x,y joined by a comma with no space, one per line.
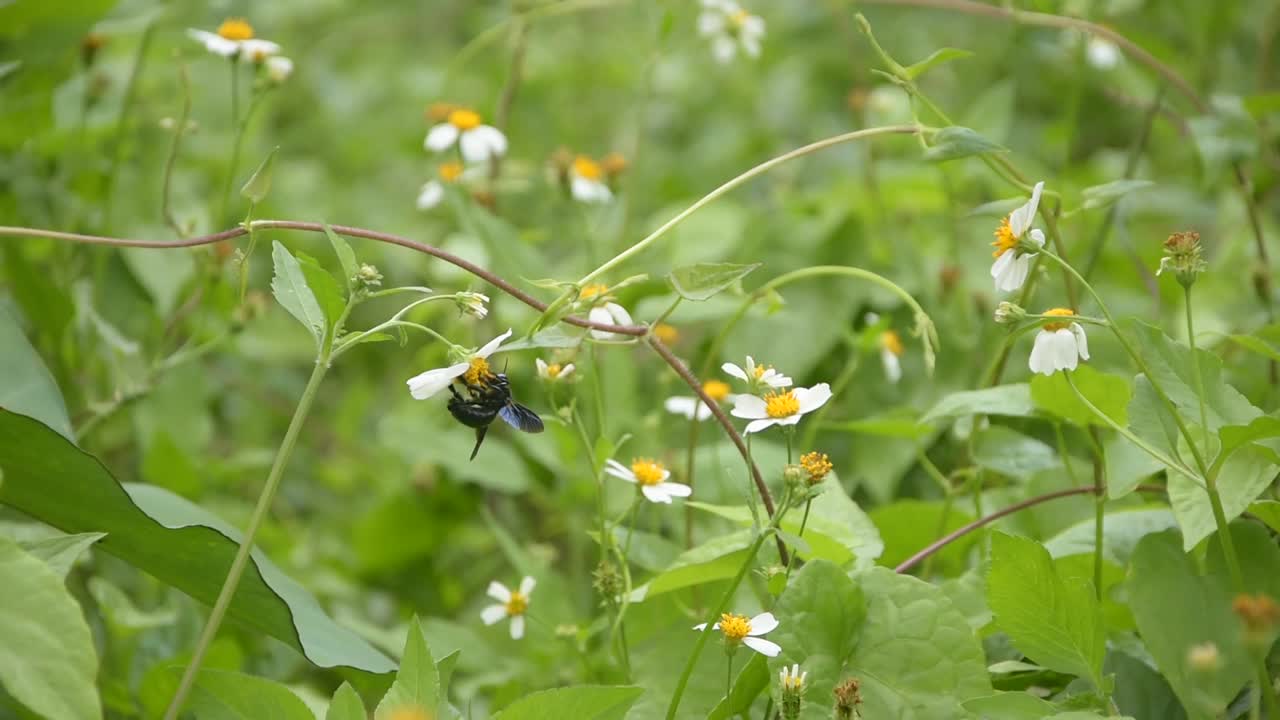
235,147
728,679
804,520
1195,367
1099,517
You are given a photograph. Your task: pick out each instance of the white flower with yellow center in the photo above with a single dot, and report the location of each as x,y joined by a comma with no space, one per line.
606,312
433,192
478,142
757,376
586,181
780,408
651,477
512,604
234,38
472,369
890,352
738,629
1059,345
689,406
729,28
1016,243
791,679
553,372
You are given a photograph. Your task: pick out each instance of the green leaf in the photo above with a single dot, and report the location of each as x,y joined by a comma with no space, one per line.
225,695
346,257
60,553
1268,511
1234,436
1176,609
1052,620
327,291
1150,420
162,274
939,57
1108,393
1258,555
26,386
1010,706
752,679
47,657
701,281
292,292
1012,400
1127,465
255,191
168,537
417,684
954,142
581,702
346,705
1122,530
717,559
1100,196
1011,453
909,525
1264,341
552,337
1243,477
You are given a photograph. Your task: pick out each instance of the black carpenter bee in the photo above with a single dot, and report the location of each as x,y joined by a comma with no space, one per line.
486,399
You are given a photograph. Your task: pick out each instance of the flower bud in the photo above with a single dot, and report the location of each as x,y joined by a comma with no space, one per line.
279,68
1183,257
1261,615
848,698
791,682
1204,657
1008,313
472,303
368,277
607,581
613,165
90,44
795,478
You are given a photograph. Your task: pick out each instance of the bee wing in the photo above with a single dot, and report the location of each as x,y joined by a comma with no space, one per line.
520,417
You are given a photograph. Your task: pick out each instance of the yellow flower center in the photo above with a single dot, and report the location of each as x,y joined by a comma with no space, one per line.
591,291
464,119
761,370
716,389
666,333
735,627
479,371
781,405
586,168
517,604
1057,312
450,171
647,472
553,370
1005,239
816,464
235,29
739,18
890,340
411,712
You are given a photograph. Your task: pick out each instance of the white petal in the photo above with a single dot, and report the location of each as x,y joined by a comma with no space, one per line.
541,365
600,315
618,470
1000,269
254,50
589,191
676,489
498,591
517,627
1021,268
279,68
431,382
481,143
733,370
756,426
1102,54
1020,219
763,623
812,398
655,494
1040,361
527,584
618,313
749,407
1082,342
762,646
565,371
490,347
1065,355
750,44
700,627
892,366
753,27
493,614
710,23
1037,237
723,48
441,137
430,195
775,379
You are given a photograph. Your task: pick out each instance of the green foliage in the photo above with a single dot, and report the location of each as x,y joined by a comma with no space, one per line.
585,701
28,387
1108,393
702,281
417,684
294,294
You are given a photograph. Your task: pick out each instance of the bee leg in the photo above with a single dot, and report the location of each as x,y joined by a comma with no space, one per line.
480,431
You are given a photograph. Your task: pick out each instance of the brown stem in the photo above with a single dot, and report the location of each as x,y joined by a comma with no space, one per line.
960,532
683,371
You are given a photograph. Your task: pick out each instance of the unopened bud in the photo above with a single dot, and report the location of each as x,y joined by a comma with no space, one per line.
1204,657
607,581
1008,313
794,476
613,164
90,44
1260,615
279,68
472,303
1183,257
848,698
791,684
368,277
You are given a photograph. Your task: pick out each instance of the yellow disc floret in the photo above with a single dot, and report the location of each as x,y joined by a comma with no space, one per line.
1057,312
450,171
1005,239
891,341
817,465
478,373
735,627
517,604
781,404
586,168
235,29
553,370
739,18
716,390
593,291
648,472
668,334
464,119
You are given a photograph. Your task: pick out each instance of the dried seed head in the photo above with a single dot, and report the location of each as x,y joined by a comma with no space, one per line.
1183,257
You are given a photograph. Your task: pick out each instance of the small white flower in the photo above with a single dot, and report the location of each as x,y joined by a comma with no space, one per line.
1102,54
1059,346
791,679
1012,261
738,629
475,366
586,182
235,38
513,604
610,313
688,406
478,142
433,191
757,376
472,303
279,68
890,352
553,372
729,28
780,408
650,477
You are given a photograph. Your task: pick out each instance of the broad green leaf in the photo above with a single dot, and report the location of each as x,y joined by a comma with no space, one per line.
60,553
1268,511
701,281
47,657
1108,393
1010,706
162,274
1234,436
259,184
292,292
555,336
1122,530
938,57
417,684
1011,400
1140,690
752,680
1149,419
954,142
1011,453
1052,620
716,559
1264,341
907,526
1243,477
821,617
1258,555
581,702
1127,465
26,386
168,537
225,695
327,292
346,705
346,257
1176,609
1100,196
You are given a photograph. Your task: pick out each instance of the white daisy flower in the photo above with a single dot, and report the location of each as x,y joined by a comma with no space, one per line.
612,313
513,604
780,408
757,376
433,191
234,38
1013,259
730,28
738,629
687,406
279,68
553,372
791,679
478,142
651,477
586,181
890,352
1059,345
472,370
